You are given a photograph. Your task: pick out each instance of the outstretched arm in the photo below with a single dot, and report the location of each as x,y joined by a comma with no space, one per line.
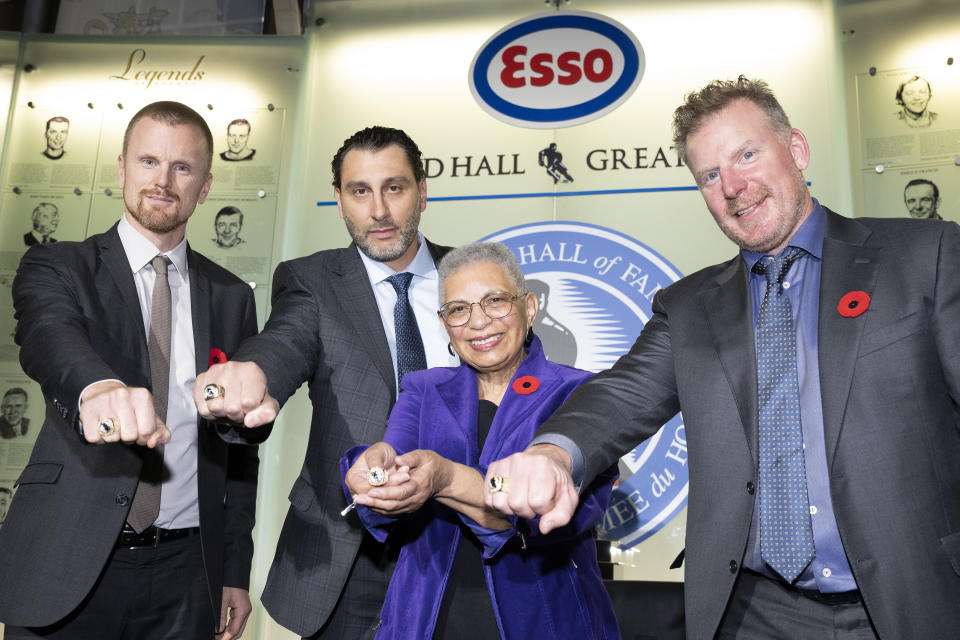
538,483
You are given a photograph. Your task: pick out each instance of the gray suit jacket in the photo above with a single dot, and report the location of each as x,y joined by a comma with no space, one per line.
79,321
890,381
325,329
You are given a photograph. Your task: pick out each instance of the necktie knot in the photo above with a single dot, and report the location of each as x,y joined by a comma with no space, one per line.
401,282
775,268
410,353
160,263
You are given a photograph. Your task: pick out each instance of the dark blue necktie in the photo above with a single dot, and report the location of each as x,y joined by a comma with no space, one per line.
410,354
786,533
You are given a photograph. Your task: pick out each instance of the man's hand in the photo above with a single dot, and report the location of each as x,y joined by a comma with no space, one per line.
132,407
537,482
235,607
421,475
245,398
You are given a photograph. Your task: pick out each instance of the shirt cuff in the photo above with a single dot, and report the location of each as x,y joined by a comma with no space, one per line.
80,399
568,445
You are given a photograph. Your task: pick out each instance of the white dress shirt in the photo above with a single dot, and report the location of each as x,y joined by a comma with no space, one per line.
424,300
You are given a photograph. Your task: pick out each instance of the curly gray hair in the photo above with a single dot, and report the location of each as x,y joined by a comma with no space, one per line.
492,252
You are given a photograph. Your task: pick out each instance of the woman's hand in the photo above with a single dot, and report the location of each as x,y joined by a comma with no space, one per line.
419,476
380,455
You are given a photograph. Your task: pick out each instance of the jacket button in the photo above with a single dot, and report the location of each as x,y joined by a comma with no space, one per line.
751,488
733,566
123,499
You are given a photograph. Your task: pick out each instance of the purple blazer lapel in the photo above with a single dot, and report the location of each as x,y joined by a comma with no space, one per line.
460,397
516,408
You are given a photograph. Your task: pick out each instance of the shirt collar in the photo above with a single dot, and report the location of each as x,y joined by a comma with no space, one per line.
808,237
422,264
140,251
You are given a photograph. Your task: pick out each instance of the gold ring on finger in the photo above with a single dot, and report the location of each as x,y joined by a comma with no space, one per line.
376,476
497,484
213,391
108,426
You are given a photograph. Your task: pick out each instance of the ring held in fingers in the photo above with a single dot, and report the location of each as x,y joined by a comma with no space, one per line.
498,484
213,391
108,426
377,477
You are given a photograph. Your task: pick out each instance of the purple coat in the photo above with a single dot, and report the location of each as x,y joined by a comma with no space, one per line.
540,586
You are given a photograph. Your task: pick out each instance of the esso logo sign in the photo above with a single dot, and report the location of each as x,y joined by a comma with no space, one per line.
556,69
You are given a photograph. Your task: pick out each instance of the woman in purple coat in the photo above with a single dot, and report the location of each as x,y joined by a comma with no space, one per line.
464,571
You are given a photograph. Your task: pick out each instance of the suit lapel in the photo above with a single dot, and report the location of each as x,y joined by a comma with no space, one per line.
848,265
119,291
729,314
200,310
355,295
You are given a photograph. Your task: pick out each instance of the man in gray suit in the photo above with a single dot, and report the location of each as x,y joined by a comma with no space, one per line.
332,325
874,379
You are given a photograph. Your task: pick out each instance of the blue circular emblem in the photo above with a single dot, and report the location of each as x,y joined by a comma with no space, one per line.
556,69
596,287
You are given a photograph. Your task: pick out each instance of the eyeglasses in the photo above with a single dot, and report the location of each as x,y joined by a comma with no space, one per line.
456,313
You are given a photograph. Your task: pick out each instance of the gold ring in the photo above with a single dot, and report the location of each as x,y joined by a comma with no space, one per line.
213,391
376,476
497,484
108,426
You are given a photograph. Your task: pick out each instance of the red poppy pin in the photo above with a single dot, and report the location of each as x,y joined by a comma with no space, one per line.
217,357
853,304
525,385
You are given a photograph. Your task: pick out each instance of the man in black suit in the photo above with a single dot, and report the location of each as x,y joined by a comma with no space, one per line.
109,536
818,373
332,325
13,422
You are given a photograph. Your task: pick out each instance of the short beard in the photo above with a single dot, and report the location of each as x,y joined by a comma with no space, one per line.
408,234
153,220
785,227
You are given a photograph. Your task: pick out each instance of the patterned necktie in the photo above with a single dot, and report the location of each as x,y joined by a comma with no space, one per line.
410,354
786,533
146,502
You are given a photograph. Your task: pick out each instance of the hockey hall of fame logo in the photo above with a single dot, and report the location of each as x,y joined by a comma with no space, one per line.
596,287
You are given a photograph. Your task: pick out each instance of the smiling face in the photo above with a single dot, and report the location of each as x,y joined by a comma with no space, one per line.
380,201
164,174
228,226
916,96
920,201
750,178
489,344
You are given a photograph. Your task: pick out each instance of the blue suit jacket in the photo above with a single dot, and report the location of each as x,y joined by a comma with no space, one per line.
540,586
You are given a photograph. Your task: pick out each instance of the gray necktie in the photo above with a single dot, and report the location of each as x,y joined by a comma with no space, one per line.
146,503
786,532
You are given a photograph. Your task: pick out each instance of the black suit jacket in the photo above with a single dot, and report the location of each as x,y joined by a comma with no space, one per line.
890,385
79,321
325,329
